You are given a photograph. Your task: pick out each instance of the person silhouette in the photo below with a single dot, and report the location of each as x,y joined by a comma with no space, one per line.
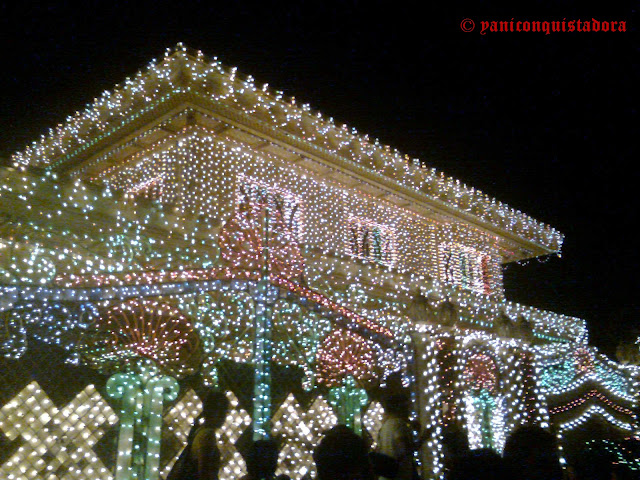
342,455
204,450
531,453
394,437
481,464
262,460
200,459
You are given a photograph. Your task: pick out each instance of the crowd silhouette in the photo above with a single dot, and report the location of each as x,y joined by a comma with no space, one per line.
530,453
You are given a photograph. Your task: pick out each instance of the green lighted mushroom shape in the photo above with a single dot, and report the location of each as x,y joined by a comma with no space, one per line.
144,344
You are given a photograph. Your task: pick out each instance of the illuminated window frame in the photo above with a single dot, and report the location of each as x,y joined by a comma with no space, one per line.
466,267
370,241
249,190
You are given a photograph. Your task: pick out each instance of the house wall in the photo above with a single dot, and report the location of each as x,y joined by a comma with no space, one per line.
200,174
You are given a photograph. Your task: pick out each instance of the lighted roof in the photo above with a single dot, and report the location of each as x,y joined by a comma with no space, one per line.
180,76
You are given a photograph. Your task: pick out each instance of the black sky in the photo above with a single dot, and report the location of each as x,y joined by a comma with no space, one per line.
545,123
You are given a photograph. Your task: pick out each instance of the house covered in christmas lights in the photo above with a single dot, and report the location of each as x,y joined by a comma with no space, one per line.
192,229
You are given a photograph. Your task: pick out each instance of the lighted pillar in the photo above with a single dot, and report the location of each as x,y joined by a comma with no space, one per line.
262,344
262,362
635,377
141,396
125,387
410,381
485,404
157,391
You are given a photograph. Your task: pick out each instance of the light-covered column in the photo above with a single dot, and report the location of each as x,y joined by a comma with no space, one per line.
141,396
158,390
126,388
262,362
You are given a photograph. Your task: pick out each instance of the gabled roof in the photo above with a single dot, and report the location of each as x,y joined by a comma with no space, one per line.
181,80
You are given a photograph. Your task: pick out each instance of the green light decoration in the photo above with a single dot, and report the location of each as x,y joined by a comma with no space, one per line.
262,361
481,376
144,344
347,402
624,452
141,396
13,335
124,387
485,404
557,376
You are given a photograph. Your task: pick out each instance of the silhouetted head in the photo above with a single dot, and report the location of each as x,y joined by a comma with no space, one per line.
342,455
482,464
455,444
455,440
531,453
396,405
262,459
215,408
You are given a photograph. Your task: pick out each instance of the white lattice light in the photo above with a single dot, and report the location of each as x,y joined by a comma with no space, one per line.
181,417
66,436
300,432
236,422
372,420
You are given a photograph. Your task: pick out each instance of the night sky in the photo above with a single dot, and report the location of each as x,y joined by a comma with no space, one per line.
545,123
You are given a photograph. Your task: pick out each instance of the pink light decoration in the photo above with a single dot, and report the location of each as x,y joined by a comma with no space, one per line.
591,394
242,236
584,360
481,373
145,329
345,353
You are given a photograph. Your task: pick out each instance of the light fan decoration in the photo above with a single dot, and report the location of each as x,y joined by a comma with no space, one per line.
481,373
343,354
142,329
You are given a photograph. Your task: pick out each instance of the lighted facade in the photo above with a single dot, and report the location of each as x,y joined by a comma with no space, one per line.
193,229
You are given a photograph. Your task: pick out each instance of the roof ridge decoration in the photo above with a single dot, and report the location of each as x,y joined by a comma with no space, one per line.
181,72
